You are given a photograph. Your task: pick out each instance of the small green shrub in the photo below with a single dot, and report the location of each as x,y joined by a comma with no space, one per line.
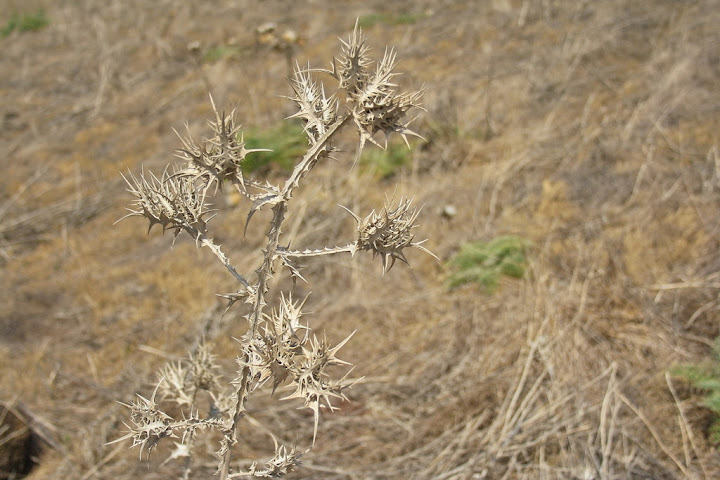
485,262
25,23
286,142
706,377
373,19
385,163
220,52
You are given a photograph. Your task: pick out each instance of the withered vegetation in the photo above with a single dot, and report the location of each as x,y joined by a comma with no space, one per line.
276,346
586,130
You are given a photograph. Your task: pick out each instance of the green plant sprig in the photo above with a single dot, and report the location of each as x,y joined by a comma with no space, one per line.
706,377
485,262
25,23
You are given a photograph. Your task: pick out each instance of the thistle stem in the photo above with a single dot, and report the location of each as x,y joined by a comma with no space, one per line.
265,273
204,241
230,435
351,248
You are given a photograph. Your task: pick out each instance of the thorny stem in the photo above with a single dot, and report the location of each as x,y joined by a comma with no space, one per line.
230,435
265,271
311,157
204,241
264,274
351,248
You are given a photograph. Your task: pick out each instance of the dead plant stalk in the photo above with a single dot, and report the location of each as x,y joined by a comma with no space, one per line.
276,348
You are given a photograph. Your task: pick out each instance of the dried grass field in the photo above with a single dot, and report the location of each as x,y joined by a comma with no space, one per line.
589,130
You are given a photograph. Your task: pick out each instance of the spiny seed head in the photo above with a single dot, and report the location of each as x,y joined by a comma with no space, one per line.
316,110
174,385
286,319
203,367
180,381
273,354
377,112
284,461
388,232
171,201
379,107
220,157
310,377
373,98
150,425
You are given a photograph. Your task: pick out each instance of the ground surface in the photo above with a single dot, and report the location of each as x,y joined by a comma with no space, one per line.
590,129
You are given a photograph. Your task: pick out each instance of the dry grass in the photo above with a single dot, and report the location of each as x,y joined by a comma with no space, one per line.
589,129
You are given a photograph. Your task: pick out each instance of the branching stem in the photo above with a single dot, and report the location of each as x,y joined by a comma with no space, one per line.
204,241
350,248
264,274
266,270
230,435
271,347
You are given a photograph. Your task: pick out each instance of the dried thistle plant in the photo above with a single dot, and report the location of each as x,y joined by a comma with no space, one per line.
277,349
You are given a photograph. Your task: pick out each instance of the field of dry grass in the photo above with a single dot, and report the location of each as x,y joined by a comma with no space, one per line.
589,129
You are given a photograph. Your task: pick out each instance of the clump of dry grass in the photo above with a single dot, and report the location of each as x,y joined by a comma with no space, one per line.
277,348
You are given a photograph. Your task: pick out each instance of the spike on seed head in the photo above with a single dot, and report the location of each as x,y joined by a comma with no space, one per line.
315,109
351,69
150,425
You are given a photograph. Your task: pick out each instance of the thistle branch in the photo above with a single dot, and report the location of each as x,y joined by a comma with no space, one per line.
204,241
276,346
350,248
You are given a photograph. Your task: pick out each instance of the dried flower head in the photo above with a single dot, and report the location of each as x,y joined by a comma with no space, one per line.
181,381
283,353
310,378
388,232
351,69
380,108
171,201
220,157
203,368
372,97
315,109
272,353
150,425
284,461
174,383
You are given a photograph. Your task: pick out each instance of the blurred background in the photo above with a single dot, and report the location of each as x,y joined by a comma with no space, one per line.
569,173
